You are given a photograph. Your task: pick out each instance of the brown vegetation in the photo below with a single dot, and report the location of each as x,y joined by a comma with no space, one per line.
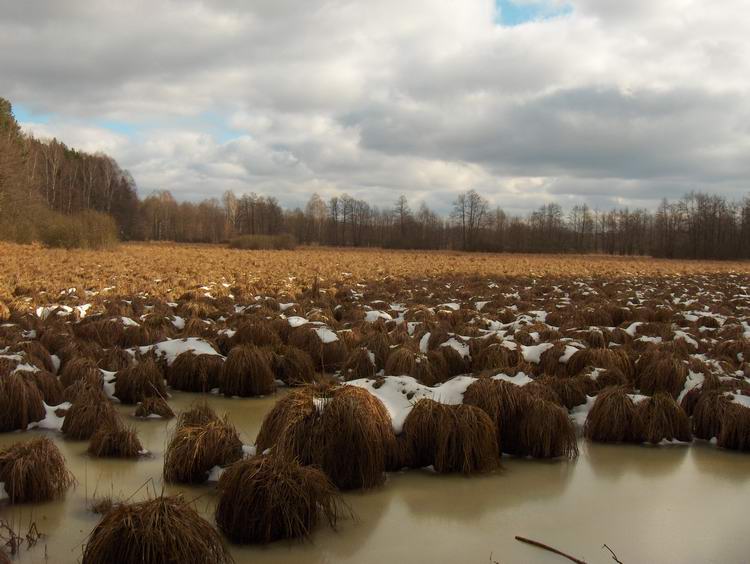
141,381
268,498
156,531
34,471
247,373
614,418
664,419
115,440
21,402
192,372
90,411
193,450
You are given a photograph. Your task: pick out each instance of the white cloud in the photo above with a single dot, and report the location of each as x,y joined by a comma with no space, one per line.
610,102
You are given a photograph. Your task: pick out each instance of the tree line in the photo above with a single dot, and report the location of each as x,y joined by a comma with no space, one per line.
38,177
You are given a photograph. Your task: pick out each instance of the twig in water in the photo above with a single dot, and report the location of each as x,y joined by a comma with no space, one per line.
612,552
550,549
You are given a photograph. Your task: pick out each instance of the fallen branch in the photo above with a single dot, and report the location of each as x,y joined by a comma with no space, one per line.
612,552
550,549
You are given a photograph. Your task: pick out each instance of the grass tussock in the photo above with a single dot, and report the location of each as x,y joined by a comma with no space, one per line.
293,366
735,428
154,406
344,430
48,384
156,531
546,431
192,372
708,414
34,471
115,440
614,418
21,402
90,411
141,381
200,413
451,438
269,498
659,371
664,419
360,364
327,356
194,450
570,391
79,368
247,373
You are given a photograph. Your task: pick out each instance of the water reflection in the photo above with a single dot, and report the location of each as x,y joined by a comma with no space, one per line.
654,504
611,462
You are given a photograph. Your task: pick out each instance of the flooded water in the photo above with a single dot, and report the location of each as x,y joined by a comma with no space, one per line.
668,504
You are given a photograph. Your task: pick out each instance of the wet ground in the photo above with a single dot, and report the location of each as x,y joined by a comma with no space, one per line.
649,504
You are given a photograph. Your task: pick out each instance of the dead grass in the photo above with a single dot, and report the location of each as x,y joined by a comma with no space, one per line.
343,430
156,531
21,402
735,428
192,372
90,411
546,431
268,498
115,440
451,438
614,418
293,366
154,406
708,414
141,381
664,419
193,450
34,471
247,373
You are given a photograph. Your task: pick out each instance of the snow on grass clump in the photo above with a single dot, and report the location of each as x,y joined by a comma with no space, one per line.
172,348
400,393
325,335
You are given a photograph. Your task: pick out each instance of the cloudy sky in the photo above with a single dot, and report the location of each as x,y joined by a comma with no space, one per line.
608,102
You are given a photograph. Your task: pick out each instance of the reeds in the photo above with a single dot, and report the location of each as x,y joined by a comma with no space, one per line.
34,471
154,407
546,431
247,373
451,438
194,450
268,498
293,366
192,372
156,531
614,418
663,419
115,440
90,411
141,381
21,402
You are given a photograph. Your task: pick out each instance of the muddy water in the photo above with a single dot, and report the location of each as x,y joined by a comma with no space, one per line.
668,504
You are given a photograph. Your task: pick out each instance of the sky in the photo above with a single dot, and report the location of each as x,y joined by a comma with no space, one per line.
604,102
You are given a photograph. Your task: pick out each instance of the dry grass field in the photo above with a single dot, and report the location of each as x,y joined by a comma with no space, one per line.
163,269
390,360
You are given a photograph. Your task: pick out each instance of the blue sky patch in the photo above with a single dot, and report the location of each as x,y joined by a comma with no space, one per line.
517,12
24,115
